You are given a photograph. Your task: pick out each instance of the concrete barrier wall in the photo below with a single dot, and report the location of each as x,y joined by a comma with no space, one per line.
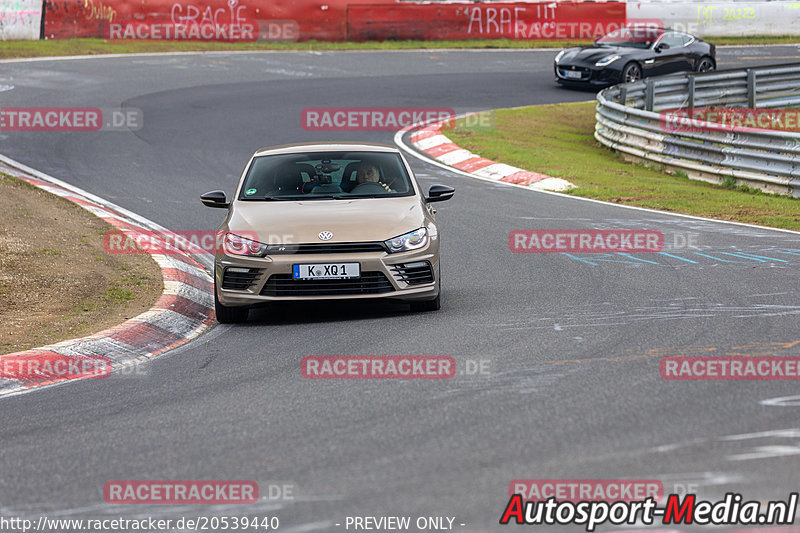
340,20
20,19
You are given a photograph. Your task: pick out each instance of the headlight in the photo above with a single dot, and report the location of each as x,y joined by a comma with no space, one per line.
606,61
560,55
235,245
410,241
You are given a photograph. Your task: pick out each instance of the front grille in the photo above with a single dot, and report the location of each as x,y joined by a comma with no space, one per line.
326,248
285,285
414,273
240,279
585,72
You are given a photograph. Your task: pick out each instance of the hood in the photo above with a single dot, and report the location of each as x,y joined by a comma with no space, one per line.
592,54
352,220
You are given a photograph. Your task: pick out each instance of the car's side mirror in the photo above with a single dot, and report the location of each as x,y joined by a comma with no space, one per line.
215,199
439,193
662,46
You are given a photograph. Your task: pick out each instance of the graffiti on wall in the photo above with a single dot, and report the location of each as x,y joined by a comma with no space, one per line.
20,19
192,14
196,20
96,10
709,14
494,20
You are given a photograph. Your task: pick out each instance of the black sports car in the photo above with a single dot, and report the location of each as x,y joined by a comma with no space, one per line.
629,54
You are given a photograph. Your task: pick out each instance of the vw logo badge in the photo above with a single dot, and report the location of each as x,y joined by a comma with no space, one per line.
325,235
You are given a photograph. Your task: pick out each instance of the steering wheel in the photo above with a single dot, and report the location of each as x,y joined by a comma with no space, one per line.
367,188
390,182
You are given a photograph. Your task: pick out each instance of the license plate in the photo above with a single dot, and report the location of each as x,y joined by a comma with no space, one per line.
326,271
574,74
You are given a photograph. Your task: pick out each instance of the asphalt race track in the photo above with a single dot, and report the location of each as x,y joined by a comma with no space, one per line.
573,344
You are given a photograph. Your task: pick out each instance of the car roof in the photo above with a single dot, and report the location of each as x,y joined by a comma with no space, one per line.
334,146
659,30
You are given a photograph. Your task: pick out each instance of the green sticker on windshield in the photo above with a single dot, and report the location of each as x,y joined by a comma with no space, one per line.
250,191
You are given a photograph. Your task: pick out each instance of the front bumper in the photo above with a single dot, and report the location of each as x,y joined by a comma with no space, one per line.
399,276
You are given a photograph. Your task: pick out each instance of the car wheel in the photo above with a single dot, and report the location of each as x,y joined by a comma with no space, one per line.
706,64
229,315
631,72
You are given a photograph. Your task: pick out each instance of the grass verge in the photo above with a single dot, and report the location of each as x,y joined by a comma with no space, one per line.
68,47
559,140
56,279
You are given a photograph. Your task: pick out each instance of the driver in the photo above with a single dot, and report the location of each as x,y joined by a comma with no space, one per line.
368,173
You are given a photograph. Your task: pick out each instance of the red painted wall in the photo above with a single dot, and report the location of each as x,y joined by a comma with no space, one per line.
326,20
265,19
490,20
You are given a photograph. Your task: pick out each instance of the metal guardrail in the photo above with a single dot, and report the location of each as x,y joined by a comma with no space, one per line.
633,119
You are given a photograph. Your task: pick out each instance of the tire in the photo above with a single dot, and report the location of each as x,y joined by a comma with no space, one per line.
229,315
706,64
427,305
631,72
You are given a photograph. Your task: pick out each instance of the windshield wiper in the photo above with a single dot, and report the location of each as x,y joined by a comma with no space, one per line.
326,197
265,199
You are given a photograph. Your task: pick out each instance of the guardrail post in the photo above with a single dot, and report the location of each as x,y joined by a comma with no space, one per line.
623,94
751,88
649,94
691,92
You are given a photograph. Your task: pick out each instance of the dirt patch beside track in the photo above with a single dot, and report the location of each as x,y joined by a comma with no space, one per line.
56,280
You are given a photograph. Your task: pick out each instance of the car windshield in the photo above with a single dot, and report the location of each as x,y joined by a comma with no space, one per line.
326,175
632,37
